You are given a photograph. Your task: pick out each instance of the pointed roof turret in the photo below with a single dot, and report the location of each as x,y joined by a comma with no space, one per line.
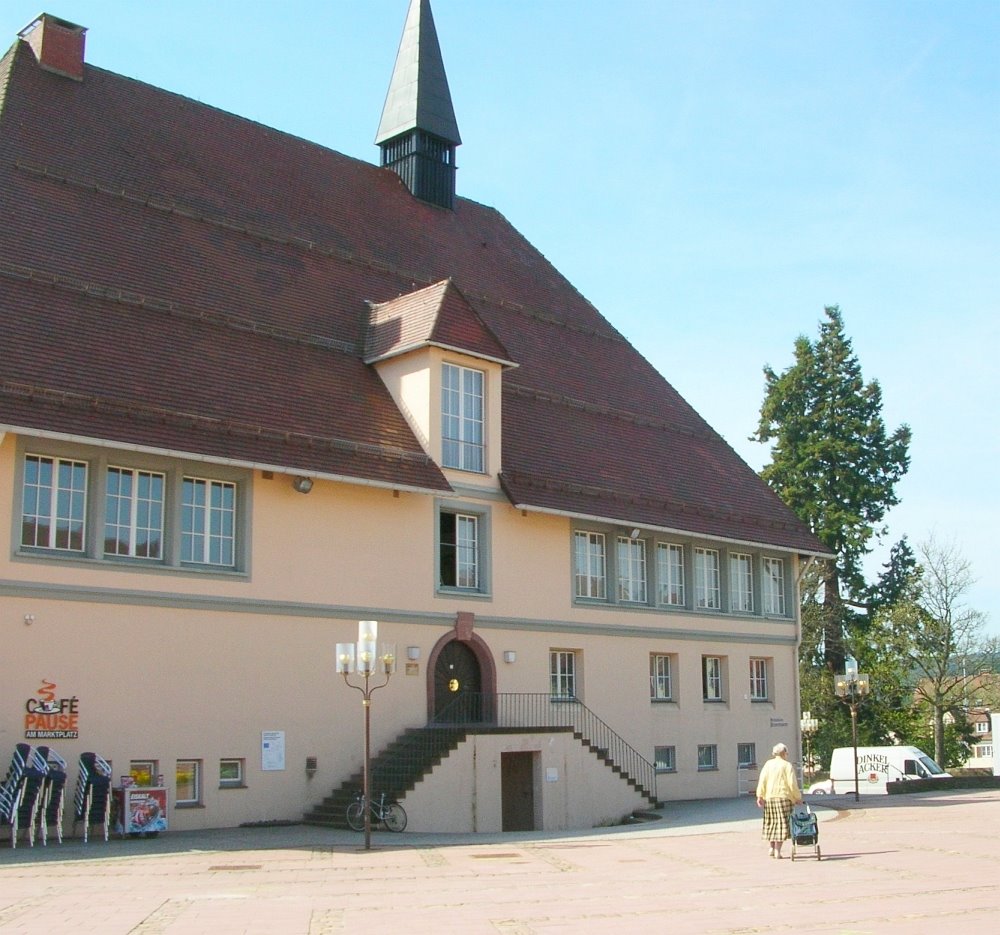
418,132
418,95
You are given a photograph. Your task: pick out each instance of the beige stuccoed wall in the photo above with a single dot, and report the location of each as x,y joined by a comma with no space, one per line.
171,664
572,788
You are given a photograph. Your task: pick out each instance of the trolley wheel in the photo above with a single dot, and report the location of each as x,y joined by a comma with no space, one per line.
356,816
395,817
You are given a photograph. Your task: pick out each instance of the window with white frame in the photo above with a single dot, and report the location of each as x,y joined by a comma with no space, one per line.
631,570
208,522
665,759
708,756
54,503
661,687
741,582
562,673
758,680
708,591
188,782
746,755
151,511
133,513
773,586
984,751
712,678
982,727
589,565
459,550
670,573
462,418
232,773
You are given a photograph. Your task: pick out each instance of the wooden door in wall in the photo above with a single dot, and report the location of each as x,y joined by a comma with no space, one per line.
517,791
458,685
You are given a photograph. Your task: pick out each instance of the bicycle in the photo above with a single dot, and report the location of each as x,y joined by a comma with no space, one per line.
389,813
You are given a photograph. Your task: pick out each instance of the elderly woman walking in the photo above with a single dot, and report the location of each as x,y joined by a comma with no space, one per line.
777,792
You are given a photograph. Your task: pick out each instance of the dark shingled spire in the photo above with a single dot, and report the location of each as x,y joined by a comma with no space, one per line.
418,132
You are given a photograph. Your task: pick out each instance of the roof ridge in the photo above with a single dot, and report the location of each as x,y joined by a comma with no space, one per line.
153,303
207,423
623,415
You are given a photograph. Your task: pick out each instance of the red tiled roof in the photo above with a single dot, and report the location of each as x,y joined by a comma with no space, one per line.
176,277
437,315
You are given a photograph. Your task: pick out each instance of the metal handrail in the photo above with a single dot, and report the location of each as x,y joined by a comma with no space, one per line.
538,710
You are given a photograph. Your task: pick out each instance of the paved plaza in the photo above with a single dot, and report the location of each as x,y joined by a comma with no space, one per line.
915,864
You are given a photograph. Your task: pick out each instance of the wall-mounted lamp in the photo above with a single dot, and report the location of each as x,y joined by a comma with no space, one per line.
509,655
303,484
29,619
634,534
413,653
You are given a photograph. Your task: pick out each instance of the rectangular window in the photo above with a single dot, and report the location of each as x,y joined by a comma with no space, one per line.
133,513
982,727
208,522
462,419
144,772
188,782
712,678
708,592
660,683
562,673
231,773
984,751
459,550
741,583
746,755
589,565
54,503
631,570
665,759
708,757
670,573
773,587
758,680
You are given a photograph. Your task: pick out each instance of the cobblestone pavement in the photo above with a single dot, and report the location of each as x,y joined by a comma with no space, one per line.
913,864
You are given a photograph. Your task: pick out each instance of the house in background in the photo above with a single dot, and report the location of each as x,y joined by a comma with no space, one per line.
253,391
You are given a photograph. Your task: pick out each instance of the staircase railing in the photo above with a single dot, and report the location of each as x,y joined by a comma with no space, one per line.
538,710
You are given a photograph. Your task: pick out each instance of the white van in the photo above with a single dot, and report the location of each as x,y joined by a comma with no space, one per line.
876,767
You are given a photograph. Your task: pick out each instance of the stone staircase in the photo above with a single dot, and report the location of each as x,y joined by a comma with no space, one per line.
395,771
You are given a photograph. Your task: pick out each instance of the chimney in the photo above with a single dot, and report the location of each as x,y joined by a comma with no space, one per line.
57,44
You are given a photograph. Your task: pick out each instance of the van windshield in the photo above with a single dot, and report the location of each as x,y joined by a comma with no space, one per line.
932,768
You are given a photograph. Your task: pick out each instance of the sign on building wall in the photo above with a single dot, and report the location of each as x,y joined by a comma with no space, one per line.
49,717
272,749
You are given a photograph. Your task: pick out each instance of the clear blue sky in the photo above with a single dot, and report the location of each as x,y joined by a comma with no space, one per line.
708,174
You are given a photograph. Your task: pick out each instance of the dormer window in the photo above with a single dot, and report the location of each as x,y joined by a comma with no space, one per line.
462,419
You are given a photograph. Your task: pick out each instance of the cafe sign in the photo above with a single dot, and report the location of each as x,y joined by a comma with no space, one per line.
49,717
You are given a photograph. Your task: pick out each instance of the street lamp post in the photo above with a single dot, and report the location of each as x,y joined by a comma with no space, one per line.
809,725
851,688
363,659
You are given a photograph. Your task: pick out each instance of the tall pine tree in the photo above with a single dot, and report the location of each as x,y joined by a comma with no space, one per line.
834,463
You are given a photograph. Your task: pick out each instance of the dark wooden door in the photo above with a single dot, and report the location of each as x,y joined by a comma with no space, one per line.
458,685
517,791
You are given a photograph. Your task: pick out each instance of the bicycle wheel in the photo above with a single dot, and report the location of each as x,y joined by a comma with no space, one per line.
356,816
394,817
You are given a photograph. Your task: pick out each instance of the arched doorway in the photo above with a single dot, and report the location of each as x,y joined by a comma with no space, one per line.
458,684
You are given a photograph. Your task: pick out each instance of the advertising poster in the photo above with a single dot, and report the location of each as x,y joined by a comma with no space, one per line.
143,810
